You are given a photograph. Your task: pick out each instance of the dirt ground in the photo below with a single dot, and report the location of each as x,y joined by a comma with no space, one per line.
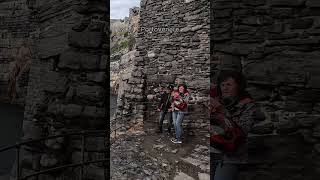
151,156
191,157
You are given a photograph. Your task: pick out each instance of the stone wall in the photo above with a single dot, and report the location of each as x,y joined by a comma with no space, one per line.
133,21
64,87
172,43
67,87
276,42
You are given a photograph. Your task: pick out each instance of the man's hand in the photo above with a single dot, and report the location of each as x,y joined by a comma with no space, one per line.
176,103
158,110
214,104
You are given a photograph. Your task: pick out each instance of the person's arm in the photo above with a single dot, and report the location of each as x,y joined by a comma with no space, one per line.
213,91
161,101
168,102
183,101
246,119
174,101
186,98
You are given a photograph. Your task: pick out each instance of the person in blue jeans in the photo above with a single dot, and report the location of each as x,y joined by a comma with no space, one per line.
165,108
180,107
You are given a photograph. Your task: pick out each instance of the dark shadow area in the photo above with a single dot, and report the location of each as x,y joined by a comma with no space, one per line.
113,104
279,157
10,132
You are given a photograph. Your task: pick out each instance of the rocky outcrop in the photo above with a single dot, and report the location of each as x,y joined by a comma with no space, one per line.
121,62
118,38
125,71
120,72
133,21
114,77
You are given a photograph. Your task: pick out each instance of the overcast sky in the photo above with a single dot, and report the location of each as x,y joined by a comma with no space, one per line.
120,8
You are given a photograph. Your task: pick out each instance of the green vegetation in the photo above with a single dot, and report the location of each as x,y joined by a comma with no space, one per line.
121,39
119,46
123,44
126,34
120,33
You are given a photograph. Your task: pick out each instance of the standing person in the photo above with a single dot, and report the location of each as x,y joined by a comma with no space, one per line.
180,107
165,108
234,106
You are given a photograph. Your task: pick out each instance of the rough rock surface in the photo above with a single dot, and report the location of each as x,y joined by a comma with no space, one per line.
121,61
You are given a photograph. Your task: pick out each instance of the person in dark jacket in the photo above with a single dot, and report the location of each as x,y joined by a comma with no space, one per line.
230,101
164,108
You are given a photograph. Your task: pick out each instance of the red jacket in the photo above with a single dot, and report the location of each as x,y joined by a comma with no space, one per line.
181,102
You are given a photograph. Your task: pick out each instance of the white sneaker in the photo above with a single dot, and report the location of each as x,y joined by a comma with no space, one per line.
176,141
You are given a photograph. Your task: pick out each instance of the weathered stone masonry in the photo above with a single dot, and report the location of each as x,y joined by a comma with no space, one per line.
66,86
172,43
277,44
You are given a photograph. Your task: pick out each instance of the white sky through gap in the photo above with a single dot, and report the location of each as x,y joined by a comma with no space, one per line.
119,9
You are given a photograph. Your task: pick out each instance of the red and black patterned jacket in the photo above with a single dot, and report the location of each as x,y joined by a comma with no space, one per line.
242,113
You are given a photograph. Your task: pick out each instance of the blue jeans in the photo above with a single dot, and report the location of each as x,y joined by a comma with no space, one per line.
226,171
162,116
177,117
